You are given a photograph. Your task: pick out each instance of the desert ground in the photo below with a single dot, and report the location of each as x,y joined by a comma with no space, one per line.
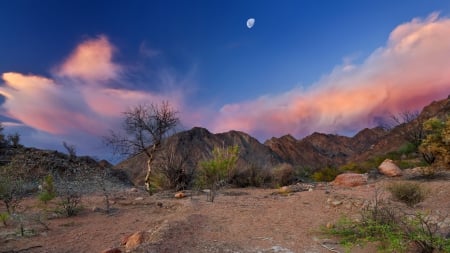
239,220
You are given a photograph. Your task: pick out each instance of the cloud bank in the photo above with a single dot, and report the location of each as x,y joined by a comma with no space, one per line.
410,71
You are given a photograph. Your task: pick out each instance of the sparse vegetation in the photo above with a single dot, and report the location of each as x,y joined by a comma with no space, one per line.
69,204
410,193
71,150
394,229
217,169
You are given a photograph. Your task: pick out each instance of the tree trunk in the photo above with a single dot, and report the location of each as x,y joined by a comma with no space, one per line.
148,186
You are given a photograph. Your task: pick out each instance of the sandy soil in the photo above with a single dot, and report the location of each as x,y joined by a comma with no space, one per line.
239,220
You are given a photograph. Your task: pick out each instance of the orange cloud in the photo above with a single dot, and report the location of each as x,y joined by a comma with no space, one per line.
409,72
91,61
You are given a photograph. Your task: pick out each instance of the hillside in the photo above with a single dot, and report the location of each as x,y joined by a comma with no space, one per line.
315,151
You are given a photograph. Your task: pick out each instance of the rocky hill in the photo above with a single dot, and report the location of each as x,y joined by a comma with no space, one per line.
31,165
314,152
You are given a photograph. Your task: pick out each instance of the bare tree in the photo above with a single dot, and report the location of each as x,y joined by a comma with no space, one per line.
412,130
71,150
145,127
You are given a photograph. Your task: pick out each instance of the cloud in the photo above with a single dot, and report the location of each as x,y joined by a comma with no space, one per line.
79,101
91,61
412,69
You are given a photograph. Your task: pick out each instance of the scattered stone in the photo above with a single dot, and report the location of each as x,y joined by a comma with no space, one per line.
350,179
139,199
96,209
284,189
134,189
180,195
389,168
112,250
159,204
330,225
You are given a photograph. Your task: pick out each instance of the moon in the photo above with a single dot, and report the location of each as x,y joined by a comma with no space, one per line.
250,22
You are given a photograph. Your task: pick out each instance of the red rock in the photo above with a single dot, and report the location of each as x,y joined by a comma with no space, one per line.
350,179
180,195
388,168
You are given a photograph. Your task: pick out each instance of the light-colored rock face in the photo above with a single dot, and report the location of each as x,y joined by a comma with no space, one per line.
350,179
389,168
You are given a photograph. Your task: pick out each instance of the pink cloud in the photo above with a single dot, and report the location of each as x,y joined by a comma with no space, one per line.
409,72
77,99
91,61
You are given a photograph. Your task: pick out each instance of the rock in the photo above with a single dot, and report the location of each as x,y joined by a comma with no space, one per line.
336,202
284,189
133,190
180,195
112,250
139,199
132,241
350,179
388,168
96,209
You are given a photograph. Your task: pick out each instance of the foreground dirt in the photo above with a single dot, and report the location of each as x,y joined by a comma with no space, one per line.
240,220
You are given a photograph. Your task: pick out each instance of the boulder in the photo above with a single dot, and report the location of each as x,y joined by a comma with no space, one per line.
180,195
132,241
389,168
350,179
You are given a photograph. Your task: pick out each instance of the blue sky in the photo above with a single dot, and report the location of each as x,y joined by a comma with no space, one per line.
219,74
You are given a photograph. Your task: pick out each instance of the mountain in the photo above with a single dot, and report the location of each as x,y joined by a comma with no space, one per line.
197,144
315,151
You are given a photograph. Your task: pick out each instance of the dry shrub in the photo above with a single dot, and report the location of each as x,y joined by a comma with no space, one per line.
410,193
283,174
250,176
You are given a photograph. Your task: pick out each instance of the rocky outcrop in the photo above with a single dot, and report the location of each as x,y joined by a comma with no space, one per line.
389,168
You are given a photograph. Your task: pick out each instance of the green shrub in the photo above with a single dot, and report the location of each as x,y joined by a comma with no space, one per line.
327,174
409,193
48,190
3,218
407,148
217,169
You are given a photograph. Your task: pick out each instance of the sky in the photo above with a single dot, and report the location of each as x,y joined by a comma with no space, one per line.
69,69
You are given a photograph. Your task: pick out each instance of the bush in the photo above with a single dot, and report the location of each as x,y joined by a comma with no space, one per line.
218,169
327,174
3,218
48,190
407,192
70,204
250,176
282,175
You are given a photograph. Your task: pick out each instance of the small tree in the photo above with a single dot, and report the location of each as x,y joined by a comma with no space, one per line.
14,140
11,189
71,150
48,189
412,130
212,172
145,127
436,145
